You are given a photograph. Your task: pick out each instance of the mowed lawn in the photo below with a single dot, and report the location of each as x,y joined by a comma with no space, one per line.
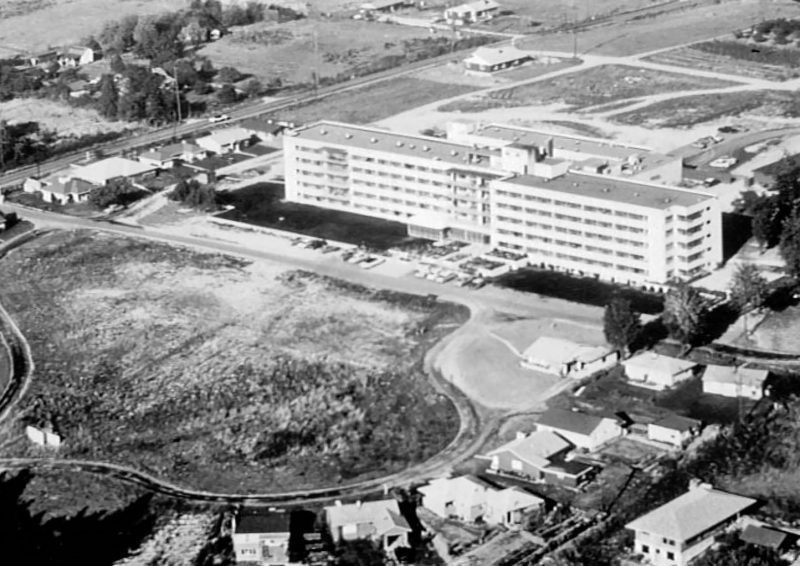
376,102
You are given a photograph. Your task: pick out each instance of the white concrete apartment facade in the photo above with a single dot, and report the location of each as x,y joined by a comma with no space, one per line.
513,196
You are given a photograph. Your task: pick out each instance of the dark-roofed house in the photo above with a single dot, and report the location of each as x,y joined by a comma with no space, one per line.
380,521
683,529
767,537
734,381
674,429
262,537
263,129
584,431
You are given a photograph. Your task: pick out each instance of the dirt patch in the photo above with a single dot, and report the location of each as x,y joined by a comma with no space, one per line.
599,85
287,51
711,56
223,375
65,120
687,111
683,23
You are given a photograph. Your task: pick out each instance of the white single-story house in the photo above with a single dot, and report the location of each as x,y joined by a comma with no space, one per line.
101,172
59,189
169,155
471,499
261,536
584,431
683,529
492,59
674,430
226,140
528,454
384,6
380,521
472,12
658,372
734,381
265,130
566,358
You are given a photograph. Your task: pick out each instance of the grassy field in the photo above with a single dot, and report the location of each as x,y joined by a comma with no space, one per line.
375,102
688,111
267,50
683,23
724,56
63,22
598,85
222,375
65,120
779,332
610,392
261,204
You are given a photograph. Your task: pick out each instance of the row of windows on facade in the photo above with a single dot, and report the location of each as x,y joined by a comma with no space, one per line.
576,259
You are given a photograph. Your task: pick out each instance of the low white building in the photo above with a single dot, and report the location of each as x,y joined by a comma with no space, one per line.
734,381
492,59
380,521
658,372
226,140
59,189
674,430
683,529
567,358
43,436
584,431
470,499
101,172
170,155
472,12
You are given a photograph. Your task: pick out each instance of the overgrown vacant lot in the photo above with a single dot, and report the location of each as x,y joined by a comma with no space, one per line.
63,119
687,111
736,58
223,375
599,85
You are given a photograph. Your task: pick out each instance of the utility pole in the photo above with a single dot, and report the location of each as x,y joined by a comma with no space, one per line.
177,99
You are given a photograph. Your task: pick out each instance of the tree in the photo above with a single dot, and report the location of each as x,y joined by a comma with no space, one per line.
253,88
685,314
227,94
108,103
228,75
117,64
748,287
117,191
767,222
790,243
192,193
621,325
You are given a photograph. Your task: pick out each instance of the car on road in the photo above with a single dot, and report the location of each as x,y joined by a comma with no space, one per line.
723,162
371,262
219,118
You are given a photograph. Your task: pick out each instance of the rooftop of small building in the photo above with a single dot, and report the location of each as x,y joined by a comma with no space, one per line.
614,189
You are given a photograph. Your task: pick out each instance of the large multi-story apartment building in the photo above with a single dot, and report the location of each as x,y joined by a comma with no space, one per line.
595,212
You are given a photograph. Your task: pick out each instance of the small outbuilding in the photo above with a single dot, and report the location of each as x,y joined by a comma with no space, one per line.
492,59
735,381
674,430
656,371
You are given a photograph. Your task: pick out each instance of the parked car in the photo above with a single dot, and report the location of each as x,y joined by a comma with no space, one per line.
477,283
371,262
724,162
219,118
330,249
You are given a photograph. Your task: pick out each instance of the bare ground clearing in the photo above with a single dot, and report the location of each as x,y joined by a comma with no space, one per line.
694,21
268,50
224,375
598,85
687,111
63,119
695,58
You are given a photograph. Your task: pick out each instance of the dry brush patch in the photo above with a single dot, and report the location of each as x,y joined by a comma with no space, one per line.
222,375
599,85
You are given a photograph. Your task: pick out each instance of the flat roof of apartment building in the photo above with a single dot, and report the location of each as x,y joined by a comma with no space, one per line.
613,189
364,137
590,146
